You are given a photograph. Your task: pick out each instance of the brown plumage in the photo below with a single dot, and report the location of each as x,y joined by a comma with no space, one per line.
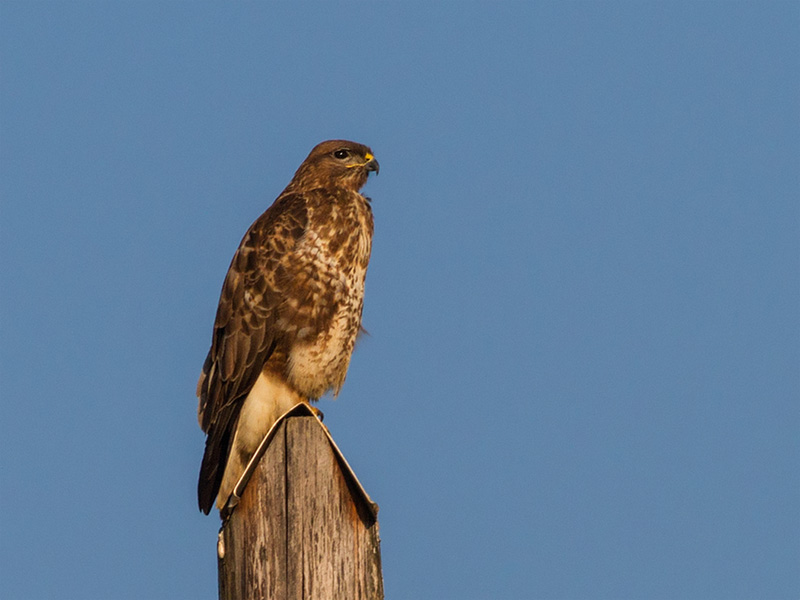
289,311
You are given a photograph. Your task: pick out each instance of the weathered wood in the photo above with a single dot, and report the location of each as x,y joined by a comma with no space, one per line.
303,529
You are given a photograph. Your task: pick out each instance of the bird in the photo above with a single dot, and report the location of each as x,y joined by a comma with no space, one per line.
289,311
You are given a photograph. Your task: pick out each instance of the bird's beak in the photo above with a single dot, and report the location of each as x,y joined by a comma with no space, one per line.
372,164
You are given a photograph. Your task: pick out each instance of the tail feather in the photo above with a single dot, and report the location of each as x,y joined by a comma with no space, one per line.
218,448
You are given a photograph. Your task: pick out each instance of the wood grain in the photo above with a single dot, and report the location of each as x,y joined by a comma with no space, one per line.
301,531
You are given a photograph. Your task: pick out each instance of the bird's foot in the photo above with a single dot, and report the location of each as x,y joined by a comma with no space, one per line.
317,412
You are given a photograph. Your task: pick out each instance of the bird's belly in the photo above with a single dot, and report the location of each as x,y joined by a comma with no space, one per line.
320,365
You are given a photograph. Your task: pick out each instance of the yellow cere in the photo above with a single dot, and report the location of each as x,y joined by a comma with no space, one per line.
368,156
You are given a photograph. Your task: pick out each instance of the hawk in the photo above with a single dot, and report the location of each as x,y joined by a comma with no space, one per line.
289,311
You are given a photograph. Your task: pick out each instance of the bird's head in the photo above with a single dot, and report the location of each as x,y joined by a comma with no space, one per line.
338,163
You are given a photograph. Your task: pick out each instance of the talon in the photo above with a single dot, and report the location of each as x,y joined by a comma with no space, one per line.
317,412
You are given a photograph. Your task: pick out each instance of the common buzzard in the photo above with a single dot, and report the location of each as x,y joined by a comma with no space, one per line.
289,311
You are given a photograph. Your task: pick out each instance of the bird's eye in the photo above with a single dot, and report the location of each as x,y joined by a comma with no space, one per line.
342,154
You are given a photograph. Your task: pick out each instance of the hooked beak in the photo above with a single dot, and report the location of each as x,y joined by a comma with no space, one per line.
372,164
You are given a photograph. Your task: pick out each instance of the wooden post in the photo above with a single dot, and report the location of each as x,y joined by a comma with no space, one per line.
304,528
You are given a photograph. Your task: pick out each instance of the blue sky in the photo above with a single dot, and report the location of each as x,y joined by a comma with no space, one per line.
582,378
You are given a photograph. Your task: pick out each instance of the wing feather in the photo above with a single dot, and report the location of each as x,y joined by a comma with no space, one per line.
245,331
